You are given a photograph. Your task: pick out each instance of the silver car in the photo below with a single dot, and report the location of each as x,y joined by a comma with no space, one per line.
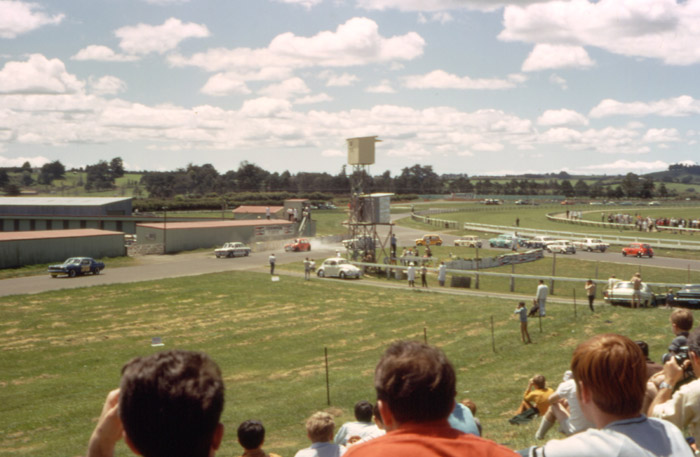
337,267
621,294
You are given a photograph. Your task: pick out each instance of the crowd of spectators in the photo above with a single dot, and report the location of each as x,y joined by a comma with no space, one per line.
650,224
170,404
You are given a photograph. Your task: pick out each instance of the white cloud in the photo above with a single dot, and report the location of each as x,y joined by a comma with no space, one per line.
438,5
665,135
312,99
333,153
286,89
20,17
265,107
684,105
38,75
626,166
335,80
439,79
547,56
103,54
441,17
145,39
384,87
487,147
166,2
558,80
225,84
35,162
356,42
107,85
305,3
561,117
667,30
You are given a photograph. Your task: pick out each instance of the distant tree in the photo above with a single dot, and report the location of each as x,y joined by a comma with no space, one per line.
12,190
566,188
631,186
581,188
662,191
202,179
26,166
99,176
596,190
27,179
116,167
687,179
250,177
384,182
4,178
647,188
341,182
51,171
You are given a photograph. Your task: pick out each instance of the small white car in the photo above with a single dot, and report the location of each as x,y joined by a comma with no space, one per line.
561,247
337,267
591,244
233,249
468,241
621,294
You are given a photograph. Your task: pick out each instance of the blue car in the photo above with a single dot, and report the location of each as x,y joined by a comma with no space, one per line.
77,266
504,240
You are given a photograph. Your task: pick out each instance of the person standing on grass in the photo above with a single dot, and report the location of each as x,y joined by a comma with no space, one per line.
541,296
590,293
411,275
272,260
307,269
521,310
424,276
636,290
442,274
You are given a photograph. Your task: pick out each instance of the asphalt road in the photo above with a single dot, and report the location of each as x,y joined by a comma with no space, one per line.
173,266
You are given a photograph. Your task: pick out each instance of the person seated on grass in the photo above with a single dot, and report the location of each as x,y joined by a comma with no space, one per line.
416,387
538,393
251,436
610,375
361,427
681,325
375,432
167,404
472,407
564,408
319,429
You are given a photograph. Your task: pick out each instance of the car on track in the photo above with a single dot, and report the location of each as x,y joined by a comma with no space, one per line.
468,241
505,240
591,244
539,242
299,244
337,267
561,247
232,249
688,296
429,240
638,250
75,266
621,294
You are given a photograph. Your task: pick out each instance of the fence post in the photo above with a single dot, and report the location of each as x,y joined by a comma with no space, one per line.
512,278
493,337
328,388
554,272
575,315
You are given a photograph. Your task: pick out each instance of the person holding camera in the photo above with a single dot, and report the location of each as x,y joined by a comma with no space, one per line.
681,405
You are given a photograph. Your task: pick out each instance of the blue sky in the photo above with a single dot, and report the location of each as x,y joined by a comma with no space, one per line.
466,86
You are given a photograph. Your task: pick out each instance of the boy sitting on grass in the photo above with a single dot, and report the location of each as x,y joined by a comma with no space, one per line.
251,436
319,428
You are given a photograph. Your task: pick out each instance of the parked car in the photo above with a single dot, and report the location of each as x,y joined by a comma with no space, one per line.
654,203
561,247
468,241
688,296
591,244
539,242
429,240
77,266
232,249
621,294
337,267
638,249
299,244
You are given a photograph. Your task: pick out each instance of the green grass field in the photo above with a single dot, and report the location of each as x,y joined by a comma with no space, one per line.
62,351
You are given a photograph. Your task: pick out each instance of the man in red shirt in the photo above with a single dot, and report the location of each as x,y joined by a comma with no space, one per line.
416,388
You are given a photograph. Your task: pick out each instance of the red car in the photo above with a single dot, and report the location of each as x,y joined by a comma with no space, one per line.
638,249
299,244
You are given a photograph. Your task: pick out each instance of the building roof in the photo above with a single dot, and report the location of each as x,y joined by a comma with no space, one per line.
59,201
297,200
250,209
214,224
52,234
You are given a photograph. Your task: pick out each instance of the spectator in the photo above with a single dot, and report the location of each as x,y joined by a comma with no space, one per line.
376,433
564,408
416,386
590,293
636,290
681,324
612,280
652,367
521,310
472,407
541,297
361,428
411,275
538,393
681,405
251,436
612,403
272,260
442,274
307,269
424,276
167,404
319,429
461,419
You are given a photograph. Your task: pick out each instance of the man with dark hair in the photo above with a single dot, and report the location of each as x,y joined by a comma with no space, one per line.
251,436
362,428
610,375
416,387
168,405
681,405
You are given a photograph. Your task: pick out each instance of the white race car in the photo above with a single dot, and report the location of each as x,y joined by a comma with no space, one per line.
337,267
